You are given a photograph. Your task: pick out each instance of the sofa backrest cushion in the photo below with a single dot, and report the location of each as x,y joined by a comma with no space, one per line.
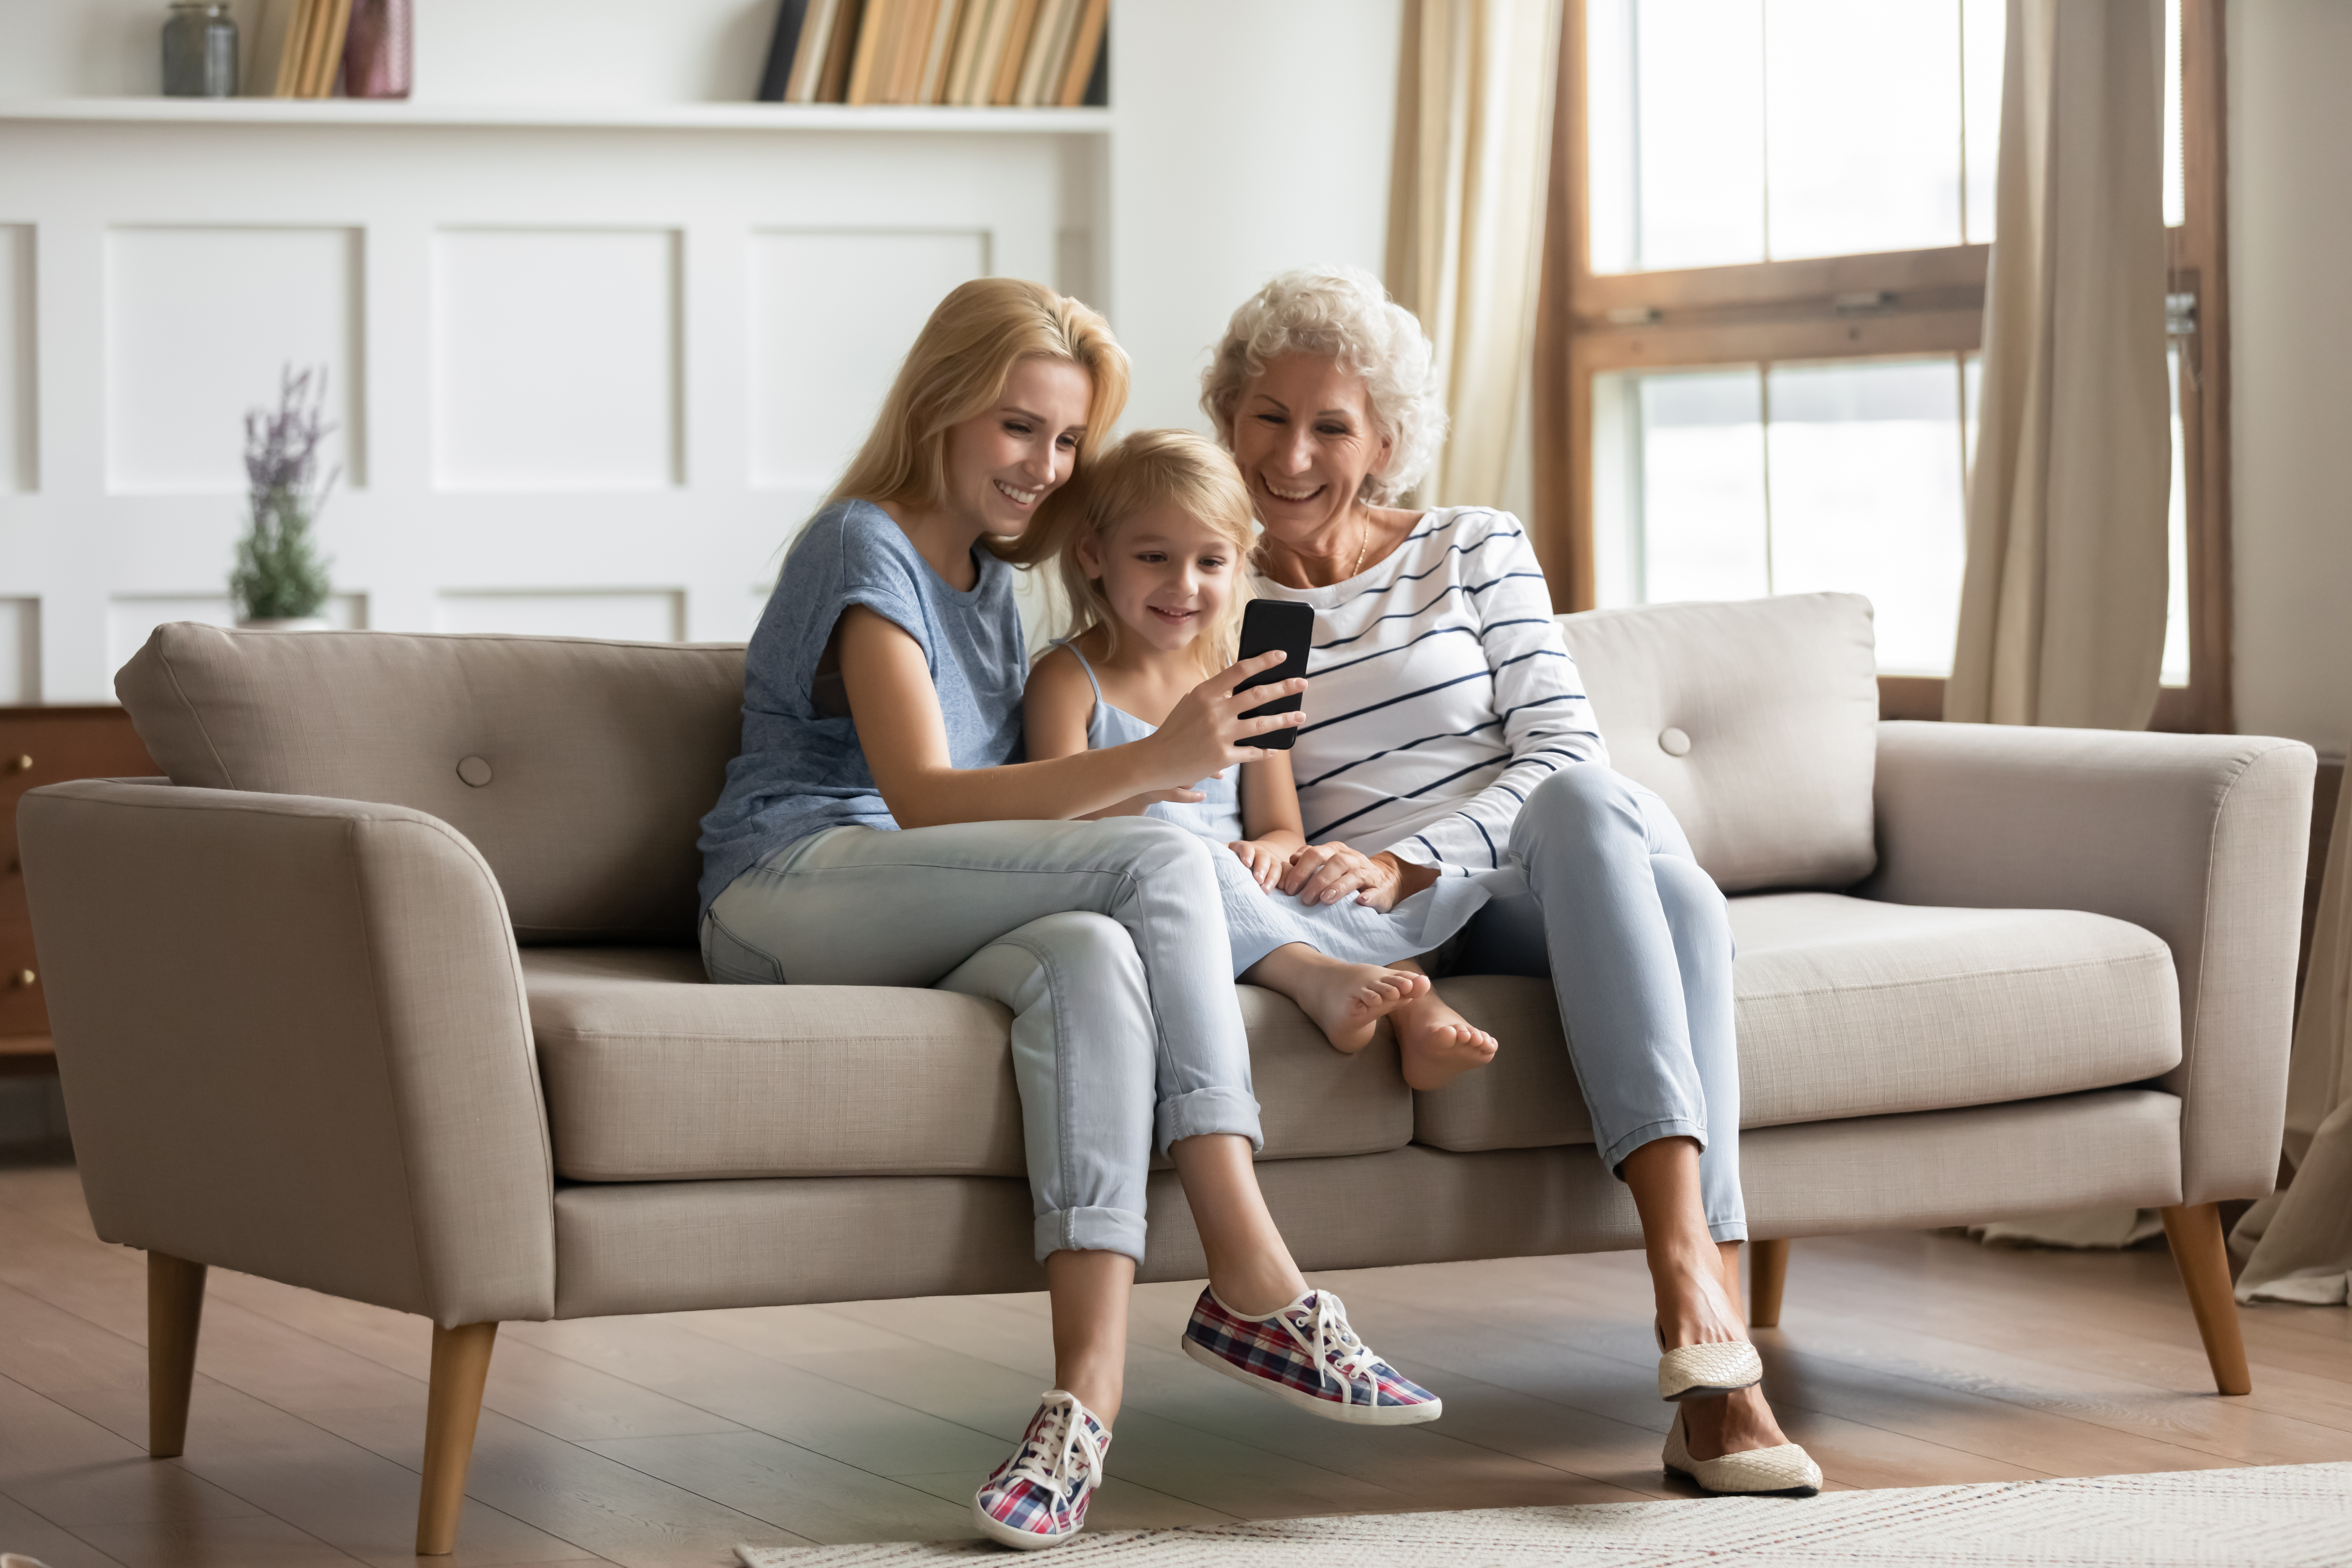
581,770
1756,722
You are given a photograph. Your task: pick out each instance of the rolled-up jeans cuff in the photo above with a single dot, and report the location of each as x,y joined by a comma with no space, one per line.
1219,1110
1613,1156
1728,1229
1090,1230
1248,951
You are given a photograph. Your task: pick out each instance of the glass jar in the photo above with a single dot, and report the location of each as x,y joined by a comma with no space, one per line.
379,54
199,51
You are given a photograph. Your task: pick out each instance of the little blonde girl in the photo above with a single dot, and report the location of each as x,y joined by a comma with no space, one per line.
1153,560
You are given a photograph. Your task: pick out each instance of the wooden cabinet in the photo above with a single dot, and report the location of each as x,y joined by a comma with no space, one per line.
40,746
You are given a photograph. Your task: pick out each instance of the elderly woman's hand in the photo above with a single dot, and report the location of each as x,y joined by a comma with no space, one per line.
1326,873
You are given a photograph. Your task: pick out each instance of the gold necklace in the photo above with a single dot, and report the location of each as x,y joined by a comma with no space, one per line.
1363,549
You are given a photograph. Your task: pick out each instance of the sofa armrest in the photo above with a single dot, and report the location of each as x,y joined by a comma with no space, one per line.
2198,838
294,1042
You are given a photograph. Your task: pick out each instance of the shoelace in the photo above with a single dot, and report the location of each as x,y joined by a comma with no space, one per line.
1336,1349
1065,1430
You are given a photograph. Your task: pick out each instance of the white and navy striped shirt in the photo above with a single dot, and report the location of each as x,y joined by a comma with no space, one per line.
1441,693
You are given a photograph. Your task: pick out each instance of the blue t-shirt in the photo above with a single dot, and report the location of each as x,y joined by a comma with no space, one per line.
802,772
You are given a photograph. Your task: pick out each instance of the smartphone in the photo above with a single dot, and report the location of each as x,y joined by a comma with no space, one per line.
1271,625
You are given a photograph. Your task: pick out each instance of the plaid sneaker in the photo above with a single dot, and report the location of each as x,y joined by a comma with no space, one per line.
1039,1496
1308,1354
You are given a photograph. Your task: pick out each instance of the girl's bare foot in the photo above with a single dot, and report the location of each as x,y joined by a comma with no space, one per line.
1437,1044
1346,1001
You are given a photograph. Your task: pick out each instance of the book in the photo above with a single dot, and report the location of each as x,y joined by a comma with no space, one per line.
1050,35
323,58
917,21
971,32
809,53
784,45
299,24
833,84
1097,93
1086,49
877,42
930,87
273,20
1004,68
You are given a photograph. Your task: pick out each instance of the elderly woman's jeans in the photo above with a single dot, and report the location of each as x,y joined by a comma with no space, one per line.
1105,939
1638,945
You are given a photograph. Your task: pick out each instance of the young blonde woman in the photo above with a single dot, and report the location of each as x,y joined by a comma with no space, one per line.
880,828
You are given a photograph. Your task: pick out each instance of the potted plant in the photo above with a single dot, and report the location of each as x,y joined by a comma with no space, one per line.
280,581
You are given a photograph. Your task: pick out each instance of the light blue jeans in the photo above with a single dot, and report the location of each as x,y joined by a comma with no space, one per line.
1105,939
1638,945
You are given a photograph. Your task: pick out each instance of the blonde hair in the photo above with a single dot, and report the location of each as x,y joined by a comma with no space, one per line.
957,370
1151,469
1339,313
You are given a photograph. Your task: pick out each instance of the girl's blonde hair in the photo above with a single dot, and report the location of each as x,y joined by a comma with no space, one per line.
957,370
1151,469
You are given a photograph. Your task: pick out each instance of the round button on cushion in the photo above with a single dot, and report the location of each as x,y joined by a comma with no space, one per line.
1674,742
475,770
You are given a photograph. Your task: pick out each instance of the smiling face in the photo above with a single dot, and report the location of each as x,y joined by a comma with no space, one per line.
1167,575
1304,439
1002,462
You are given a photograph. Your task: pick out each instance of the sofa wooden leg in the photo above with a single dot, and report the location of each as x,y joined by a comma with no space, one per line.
453,1406
175,1306
1768,1271
2194,1231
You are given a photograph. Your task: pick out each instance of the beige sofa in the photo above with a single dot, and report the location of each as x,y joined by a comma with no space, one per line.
389,992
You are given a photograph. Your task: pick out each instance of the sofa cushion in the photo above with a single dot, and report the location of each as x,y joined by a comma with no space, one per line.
1848,1007
652,1075
1756,721
581,770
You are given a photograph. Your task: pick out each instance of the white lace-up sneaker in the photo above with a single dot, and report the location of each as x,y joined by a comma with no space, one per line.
1039,1496
1308,1354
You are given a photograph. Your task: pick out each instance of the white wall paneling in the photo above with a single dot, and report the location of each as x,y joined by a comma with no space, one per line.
18,437
641,615
555,360
597,370
1251,138
20,650
832,315
201,325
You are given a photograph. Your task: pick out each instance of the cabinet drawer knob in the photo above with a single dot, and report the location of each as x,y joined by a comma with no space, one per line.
26,978
20,765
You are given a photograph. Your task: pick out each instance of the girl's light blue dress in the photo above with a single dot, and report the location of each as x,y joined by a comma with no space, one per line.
1259,921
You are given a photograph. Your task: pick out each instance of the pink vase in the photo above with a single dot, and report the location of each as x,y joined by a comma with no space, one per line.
379,52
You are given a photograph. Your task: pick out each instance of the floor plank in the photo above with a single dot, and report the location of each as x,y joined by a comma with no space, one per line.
1902,1360
263,1456
27,1533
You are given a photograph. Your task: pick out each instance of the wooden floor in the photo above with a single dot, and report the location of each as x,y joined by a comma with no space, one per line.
1902,1360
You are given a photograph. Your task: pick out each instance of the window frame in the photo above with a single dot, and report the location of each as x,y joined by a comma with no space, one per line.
1933,303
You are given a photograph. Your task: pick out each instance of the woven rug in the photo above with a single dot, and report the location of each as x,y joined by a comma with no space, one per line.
2281,1517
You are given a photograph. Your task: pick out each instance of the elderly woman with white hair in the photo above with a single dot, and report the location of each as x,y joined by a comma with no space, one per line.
1448,734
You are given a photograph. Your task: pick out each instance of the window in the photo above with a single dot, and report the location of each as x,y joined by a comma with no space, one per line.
1764,291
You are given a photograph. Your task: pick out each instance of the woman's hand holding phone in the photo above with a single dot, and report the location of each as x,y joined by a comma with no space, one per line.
1205,733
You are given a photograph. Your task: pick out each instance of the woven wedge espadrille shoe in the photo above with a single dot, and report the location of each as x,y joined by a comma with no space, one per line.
1784,1469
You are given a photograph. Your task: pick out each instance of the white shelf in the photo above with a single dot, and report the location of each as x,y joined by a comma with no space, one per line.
771,117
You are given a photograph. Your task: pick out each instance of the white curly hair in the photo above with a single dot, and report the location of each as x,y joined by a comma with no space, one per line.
1340,313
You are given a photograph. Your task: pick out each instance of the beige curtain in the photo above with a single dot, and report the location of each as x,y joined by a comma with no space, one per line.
2063,606
2298,1243
1474,85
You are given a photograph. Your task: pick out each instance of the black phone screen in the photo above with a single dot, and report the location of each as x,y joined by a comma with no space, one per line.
1270,625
